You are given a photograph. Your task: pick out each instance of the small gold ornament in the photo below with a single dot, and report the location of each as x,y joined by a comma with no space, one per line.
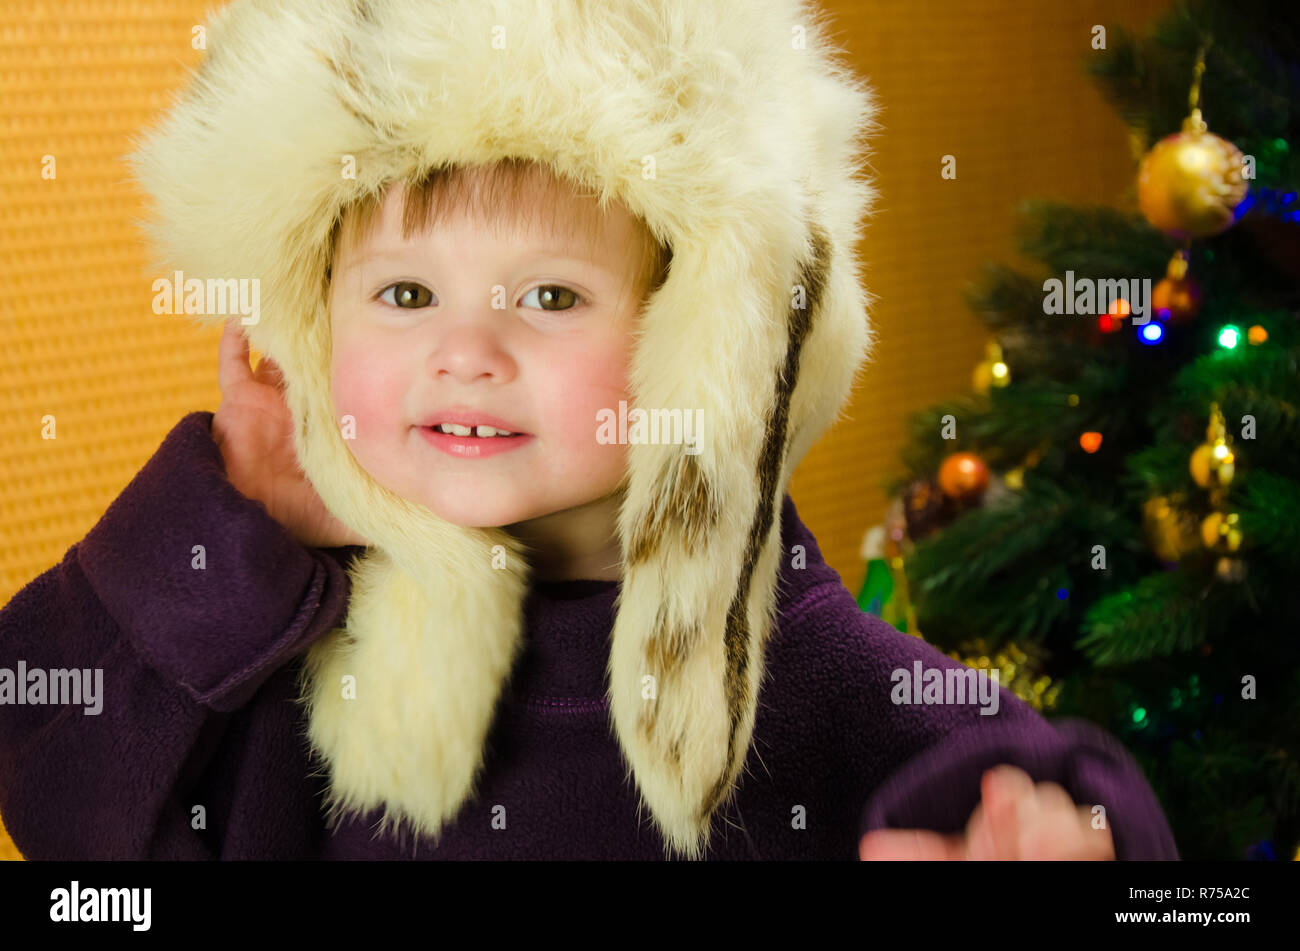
1220,532
1213,463
1170,532
991,371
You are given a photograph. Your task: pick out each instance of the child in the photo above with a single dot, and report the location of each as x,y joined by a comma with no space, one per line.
588,637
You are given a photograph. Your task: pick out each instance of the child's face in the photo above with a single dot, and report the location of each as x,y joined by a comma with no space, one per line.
542,361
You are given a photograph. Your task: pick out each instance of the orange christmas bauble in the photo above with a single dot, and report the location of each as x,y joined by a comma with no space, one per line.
963,476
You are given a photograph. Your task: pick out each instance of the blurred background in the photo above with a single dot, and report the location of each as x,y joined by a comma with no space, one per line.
986,104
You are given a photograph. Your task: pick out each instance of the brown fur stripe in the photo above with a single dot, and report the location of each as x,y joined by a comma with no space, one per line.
348,75
812,277
692,506
665,652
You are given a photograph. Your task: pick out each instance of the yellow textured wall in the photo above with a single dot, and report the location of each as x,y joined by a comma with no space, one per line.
79,341
996,83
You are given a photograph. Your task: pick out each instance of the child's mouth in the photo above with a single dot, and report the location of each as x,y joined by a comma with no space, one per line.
472,445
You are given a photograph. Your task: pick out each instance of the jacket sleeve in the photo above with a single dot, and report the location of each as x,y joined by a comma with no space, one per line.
941,751
184,597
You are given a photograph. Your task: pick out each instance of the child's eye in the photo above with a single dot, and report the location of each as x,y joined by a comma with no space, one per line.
553,297
408,295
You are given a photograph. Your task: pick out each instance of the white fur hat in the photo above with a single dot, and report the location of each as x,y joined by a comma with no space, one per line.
732,130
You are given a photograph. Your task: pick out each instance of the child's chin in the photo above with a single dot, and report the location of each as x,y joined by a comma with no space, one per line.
476,517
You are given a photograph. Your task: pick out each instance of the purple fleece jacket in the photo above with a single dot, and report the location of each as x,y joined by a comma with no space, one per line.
198,710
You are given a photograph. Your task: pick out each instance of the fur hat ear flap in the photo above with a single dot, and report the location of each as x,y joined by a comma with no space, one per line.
730,129
701,541
400,700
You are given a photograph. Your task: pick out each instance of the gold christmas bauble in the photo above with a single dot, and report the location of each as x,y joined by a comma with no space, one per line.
1213,465
1170,532
1190,183
1220,532
991,371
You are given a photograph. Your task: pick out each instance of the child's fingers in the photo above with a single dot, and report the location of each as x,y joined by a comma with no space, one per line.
1056,834
232,357
1056,828
980,844
1052,797
1020,819
1009,804
910,845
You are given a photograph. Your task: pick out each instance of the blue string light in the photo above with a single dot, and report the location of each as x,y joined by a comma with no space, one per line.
1270,201
1151,333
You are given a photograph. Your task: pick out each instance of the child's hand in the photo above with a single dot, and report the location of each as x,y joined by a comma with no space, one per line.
1014,820
254,430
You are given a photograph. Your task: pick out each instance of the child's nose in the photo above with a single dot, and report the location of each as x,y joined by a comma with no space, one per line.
468,351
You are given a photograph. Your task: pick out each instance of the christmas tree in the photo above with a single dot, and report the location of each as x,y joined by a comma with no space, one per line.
1115,508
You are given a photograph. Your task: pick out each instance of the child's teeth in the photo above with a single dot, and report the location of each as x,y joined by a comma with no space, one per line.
484,431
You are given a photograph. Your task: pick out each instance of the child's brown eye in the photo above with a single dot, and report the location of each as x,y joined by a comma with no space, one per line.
554,297
407,294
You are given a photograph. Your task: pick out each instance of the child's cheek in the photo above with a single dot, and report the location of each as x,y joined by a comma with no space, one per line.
594,383
369,388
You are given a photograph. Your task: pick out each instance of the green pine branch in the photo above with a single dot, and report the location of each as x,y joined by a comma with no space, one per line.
1162,614
1037,549
1269,511
1093,242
